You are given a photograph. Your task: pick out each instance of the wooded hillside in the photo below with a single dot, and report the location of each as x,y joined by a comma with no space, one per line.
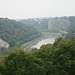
16,33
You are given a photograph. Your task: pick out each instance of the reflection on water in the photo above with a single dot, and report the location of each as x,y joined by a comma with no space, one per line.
44,41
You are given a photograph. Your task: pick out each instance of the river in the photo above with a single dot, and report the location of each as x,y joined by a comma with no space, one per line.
44,41
47,38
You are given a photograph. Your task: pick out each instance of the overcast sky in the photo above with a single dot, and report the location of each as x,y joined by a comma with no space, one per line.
16,9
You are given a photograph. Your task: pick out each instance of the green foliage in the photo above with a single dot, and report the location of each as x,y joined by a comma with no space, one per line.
40,24
16,33
1,70
22,63
2,66
58,41
64,57
4,51
50,59
59,59
56,25
71,29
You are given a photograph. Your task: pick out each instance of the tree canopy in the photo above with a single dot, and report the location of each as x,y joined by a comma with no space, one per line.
50,59
16,33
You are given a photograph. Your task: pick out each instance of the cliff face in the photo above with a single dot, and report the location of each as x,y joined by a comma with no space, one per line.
58,24
3,43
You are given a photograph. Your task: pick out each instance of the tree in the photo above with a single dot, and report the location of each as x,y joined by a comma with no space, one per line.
22,63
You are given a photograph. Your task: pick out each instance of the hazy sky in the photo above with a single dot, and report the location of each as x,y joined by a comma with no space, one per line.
15,9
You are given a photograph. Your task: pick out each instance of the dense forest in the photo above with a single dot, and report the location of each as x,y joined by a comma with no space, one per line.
39,23
71,29
56,24
16,33
50,59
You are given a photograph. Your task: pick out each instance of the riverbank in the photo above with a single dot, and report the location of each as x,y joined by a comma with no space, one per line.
46,36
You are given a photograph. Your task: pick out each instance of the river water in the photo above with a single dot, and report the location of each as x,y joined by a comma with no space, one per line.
44,41
49,38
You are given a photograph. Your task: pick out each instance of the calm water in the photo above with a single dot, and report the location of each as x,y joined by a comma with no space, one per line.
44,41
49,38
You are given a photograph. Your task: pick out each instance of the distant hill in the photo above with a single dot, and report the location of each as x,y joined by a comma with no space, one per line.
71,29
39,23
63,25
16,33
58,24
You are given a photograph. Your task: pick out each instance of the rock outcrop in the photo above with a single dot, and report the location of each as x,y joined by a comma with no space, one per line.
58,24
3,43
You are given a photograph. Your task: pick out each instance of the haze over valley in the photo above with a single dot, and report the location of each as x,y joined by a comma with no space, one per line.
37,37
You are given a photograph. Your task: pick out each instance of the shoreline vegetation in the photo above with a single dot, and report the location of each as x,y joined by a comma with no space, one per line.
51,59
27,46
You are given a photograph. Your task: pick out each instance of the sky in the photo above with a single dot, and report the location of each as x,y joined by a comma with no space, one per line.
20,9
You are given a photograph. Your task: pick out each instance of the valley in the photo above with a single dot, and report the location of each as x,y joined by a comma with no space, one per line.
39,49
46,38
37,37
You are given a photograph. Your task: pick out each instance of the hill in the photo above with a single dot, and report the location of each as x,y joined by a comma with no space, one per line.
64,25
39,23
50,59
57,24
71,29
16,33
